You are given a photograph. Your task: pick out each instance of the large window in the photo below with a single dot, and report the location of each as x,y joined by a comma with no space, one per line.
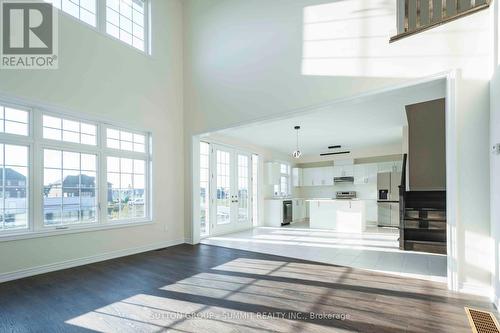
283,188
125,20
84,10
81,180
126,188
13,121
56,128
69,187
124,140
14,187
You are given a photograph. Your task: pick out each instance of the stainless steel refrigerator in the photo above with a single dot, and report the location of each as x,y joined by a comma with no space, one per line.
388,198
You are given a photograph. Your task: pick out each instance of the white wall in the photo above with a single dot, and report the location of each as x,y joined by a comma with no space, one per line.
247,60
103,77
495,138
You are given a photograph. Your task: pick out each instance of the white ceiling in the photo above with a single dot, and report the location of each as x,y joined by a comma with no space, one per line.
366,122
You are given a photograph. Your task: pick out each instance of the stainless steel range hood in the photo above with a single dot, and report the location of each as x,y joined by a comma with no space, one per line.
343,180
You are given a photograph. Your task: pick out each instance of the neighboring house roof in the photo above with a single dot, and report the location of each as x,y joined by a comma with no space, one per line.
74,181
11,174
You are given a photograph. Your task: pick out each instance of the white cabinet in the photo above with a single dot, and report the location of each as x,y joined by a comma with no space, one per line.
317,176
273,173
327,176
360,174
298,210
371,211
394,166
371,172
297,177
341,215
343,171
308,177
348,171
273,213
337,171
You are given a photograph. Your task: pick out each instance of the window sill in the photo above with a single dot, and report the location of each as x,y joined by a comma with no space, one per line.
71,230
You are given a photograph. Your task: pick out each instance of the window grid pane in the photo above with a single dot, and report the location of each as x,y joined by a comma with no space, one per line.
204,188
255,190
70,187
14,121
126,181
243,187
13,187
123,140
125,21
84,10
61,129
223,187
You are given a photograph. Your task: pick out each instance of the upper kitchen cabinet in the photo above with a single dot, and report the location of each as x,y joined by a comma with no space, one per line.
273,173
297,177
365,173
308,177
393,166
343,171
317,176
360,174
327,176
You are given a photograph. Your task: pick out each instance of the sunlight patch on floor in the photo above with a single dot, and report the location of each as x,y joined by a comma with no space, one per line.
373,251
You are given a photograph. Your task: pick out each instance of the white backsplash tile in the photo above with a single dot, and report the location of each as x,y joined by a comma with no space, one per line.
363,191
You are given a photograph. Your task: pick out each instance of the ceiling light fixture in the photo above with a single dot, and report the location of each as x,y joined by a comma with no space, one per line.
335,153
297,153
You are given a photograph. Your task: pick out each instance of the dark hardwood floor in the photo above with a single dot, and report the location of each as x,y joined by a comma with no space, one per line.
213,289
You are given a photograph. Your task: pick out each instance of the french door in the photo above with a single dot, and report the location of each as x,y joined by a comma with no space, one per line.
231,190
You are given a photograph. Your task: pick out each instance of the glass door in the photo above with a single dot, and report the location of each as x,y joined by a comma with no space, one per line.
231,195
223,196
243,188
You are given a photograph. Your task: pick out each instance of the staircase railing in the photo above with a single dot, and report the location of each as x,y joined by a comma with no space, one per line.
418,15
402,199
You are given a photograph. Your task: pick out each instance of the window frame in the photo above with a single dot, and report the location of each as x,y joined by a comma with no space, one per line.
36,145
288,176
79,9
72,118
100,26
102,21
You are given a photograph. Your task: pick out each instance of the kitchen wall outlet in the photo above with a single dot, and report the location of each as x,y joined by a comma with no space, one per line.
496,149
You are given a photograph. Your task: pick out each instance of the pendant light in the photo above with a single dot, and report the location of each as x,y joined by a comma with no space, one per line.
297,153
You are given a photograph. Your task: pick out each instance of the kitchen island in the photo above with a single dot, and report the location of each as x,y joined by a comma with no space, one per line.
342,215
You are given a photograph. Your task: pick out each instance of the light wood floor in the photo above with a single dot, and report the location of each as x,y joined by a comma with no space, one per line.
213,289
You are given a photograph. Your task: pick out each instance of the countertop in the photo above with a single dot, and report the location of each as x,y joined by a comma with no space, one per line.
334,199
321,199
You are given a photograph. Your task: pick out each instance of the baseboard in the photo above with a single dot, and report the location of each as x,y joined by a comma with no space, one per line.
474,289
15,275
